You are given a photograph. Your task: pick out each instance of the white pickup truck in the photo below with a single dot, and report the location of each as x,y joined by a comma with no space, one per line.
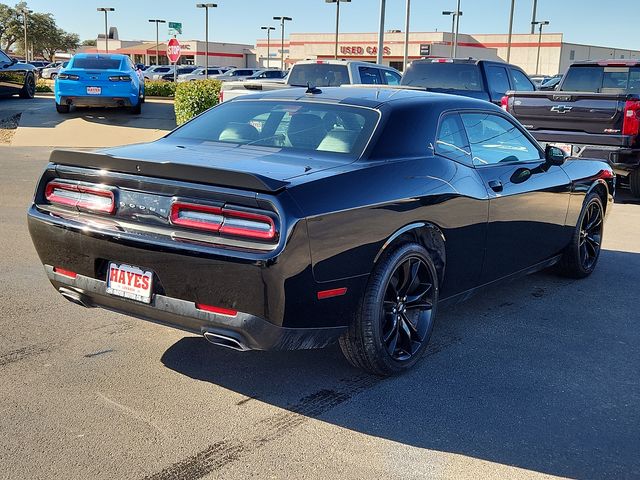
318,73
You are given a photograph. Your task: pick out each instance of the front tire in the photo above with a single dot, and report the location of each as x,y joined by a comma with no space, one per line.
393,327
29,88
634,182
580,258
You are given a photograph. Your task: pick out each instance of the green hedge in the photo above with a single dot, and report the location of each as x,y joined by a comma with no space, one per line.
159,89
43,87
193,98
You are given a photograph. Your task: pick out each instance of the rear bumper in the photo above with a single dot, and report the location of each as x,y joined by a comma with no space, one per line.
249,331
95,101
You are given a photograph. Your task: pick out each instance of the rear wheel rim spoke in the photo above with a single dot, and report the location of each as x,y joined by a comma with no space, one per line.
590,236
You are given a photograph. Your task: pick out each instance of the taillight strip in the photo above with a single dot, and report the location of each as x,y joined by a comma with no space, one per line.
210,218
79,196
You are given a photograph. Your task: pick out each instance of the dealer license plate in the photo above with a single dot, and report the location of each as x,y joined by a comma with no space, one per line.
129,282
94,90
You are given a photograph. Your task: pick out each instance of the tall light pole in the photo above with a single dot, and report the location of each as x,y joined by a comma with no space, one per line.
383,7
455,37
268,29
206,7
282,20
454,15
533,16
513,5
337,2
540,25
405,59
157,22
25,13
106,11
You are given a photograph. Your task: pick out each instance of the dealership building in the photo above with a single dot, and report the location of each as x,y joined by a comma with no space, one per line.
555,55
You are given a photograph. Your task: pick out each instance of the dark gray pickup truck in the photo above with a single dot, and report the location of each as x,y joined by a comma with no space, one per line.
594,113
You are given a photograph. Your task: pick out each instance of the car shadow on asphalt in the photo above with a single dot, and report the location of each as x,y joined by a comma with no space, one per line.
540,374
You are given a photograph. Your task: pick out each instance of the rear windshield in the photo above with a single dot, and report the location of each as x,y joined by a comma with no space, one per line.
295,126
602,79
448,76
319,75
96,63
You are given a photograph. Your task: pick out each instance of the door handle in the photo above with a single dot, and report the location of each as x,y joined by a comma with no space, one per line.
495,185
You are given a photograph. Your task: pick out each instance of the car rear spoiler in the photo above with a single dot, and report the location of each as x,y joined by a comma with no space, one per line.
168,170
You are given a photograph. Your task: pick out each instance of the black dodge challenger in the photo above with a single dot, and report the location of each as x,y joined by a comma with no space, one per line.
295,218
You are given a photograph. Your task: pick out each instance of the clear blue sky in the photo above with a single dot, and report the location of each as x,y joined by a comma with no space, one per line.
582,21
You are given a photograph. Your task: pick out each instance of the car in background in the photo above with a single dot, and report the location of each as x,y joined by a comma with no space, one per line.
268,75
538,79
482,79
39,64
51,70
156,72
99,80
289,220
16,78
198,74
551,83
236,74
168,77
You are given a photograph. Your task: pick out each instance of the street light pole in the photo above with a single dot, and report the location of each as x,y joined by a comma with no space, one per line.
455,38
540,25
206,7
533,16
106,10
282,20
268,29
25,12
453,28
405,60
157,22
513,5
383,7
337,2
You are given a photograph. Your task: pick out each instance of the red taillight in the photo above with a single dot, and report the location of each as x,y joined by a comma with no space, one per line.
66,273
83,197
218,310
631,123
226,221
504,103
334,292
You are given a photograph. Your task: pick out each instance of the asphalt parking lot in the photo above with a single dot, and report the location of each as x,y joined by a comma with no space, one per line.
534,379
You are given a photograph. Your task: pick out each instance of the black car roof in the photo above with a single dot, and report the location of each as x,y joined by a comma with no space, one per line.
367,96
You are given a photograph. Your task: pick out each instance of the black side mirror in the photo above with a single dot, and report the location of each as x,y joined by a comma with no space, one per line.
554,155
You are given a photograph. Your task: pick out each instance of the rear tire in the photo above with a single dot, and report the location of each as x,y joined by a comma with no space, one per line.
580,258
29,88
53,76
634,182
137,109
62,108
394,323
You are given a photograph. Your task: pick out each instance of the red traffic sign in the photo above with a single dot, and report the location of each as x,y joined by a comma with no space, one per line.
173,50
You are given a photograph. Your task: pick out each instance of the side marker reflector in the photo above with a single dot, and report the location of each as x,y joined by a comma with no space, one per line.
335,292
218,310
66,273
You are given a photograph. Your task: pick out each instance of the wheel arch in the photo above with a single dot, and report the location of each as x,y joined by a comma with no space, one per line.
427,234
601,188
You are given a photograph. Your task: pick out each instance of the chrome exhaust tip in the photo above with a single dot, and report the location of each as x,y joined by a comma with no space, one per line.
75,297
225,341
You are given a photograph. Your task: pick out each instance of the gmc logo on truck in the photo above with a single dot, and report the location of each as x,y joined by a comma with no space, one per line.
561,109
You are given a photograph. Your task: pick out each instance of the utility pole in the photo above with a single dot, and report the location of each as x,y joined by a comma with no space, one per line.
513,5
157,22
405,60
206,7
106,11
533,16
25,13
282,20
337,2
540,25
268,29
455,38
454,15
383,7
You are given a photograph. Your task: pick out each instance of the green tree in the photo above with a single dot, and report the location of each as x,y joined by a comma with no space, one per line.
10,25
89,43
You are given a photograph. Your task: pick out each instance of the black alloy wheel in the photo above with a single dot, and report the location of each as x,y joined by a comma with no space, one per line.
407,309
29,88
591,235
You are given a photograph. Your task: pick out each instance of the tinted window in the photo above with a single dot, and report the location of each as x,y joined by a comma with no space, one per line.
634,80
498,81
452,141
493,139
161,70
583,79
318,75
392,77
285,125
97,63
370,76
450,76
521,82
4,58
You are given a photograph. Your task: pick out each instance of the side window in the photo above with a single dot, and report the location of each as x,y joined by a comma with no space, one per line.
521,82
370,76
498,81
392,78
4,58
494,139
451,141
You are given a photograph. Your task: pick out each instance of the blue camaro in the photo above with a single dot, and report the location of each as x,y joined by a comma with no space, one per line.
92,80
